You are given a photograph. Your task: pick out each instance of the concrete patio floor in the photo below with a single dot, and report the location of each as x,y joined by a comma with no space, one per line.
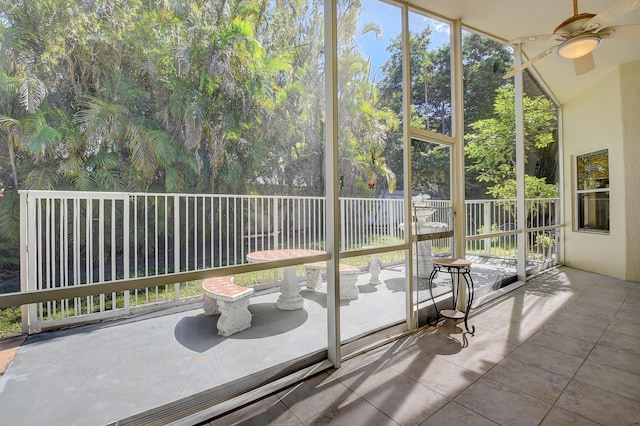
99,373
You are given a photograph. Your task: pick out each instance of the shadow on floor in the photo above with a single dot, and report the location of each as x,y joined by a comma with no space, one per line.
199,332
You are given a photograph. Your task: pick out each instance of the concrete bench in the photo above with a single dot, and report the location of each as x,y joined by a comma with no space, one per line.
348,278
222,295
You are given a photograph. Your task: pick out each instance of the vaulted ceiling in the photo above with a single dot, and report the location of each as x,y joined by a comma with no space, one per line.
510,19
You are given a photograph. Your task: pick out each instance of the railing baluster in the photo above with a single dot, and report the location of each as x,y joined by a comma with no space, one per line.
486,223
114,251
126,249
195,232
51,249
156,236
211,233
203,226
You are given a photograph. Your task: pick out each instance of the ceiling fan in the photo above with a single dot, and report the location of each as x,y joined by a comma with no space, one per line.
580,34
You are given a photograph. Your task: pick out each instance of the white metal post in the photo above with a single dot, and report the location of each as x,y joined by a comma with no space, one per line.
27,255
331,178
411,310
457,174
520,187
561,202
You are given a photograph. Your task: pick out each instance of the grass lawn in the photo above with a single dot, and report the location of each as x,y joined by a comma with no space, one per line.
10,318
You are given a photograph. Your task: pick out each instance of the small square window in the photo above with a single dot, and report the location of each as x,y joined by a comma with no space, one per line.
592,174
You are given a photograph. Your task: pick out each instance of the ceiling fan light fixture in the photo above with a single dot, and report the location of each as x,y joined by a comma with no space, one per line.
577,47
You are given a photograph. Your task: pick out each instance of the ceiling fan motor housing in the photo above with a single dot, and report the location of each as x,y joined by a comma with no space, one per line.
574,25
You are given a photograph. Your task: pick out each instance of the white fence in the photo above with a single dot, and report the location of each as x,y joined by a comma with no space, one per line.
76,238
491,228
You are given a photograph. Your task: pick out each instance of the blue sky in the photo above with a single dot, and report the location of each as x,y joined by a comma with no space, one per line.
390,19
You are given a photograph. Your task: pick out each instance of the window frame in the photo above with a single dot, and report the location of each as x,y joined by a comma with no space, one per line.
587,189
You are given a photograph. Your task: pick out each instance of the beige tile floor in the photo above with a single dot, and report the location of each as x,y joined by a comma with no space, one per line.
564,349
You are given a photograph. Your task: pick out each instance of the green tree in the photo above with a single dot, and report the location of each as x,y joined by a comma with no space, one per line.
362,123
485,61
198,96
430,72
290,144
490,144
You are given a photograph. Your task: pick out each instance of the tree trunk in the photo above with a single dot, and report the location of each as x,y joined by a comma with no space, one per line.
12,160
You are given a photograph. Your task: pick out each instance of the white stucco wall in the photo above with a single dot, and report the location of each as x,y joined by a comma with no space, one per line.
593,121
630,79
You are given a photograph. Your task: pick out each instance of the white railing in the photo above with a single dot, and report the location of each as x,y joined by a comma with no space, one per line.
76,238
492,229
543,230
370,221
496,219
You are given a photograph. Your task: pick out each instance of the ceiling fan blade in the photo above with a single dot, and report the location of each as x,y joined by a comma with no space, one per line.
540,37
584,64
611,14
529,62
622,31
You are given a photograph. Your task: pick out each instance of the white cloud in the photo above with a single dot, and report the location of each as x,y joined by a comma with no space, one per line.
439,27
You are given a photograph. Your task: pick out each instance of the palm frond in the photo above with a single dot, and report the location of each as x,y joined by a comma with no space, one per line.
40,135
32,92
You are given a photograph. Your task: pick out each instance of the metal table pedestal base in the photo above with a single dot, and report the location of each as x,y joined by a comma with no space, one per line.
456,268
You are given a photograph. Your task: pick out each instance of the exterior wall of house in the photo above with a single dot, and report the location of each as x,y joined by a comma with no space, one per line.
607,115
631,151
592,121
